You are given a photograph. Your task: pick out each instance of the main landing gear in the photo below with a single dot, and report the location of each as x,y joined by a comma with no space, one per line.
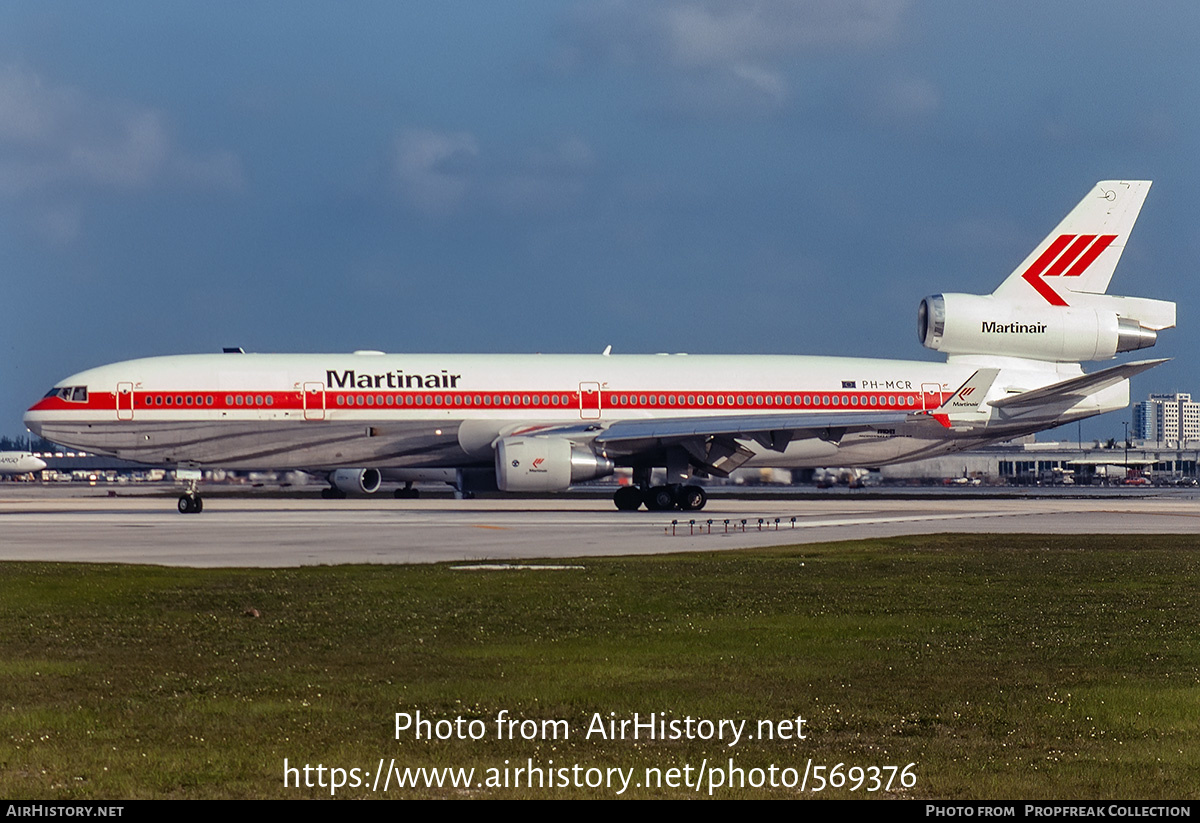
661,498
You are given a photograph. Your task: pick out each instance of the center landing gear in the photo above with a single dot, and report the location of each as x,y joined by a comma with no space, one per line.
407,493
661,498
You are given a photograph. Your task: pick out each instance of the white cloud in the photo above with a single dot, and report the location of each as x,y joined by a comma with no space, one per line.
907,97
57,144
569,154
27,108
434,168
131,155
730,51
59,223
440,173
221,171
726,32
770,84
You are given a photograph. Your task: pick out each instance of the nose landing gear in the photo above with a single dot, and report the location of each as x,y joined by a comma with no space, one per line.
190,501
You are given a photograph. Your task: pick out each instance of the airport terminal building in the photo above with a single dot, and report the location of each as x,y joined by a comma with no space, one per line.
1164,448
1058,463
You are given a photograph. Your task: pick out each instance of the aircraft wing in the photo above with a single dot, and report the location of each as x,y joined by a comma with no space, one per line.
712,442
746,426
1074,389
786,427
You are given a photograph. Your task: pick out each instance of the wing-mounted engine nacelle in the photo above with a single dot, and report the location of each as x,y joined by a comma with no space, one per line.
1097,328
546,464
356,481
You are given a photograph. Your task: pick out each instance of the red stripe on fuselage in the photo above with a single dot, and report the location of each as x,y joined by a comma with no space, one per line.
843,400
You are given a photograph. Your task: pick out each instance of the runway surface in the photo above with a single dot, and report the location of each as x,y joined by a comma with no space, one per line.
85,525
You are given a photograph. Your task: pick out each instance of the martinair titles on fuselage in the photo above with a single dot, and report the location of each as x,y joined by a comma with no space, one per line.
350,379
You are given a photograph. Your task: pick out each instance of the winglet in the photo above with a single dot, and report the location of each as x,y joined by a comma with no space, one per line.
969,396
967,399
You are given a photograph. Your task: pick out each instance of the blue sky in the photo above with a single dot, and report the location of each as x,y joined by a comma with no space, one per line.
560,176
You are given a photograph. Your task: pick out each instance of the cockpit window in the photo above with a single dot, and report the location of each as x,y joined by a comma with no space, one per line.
72,394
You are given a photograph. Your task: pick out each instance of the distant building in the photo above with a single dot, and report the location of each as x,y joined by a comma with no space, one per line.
1167,419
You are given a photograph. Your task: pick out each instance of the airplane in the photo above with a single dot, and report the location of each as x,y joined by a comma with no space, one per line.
20,463
535,423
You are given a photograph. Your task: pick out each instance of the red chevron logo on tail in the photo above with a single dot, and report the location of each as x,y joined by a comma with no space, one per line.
1068,256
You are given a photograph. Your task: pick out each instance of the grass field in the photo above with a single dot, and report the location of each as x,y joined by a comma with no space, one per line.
1002,667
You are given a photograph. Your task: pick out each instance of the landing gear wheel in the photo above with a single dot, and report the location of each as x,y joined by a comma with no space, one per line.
190,504
628,498
332,493
692,498
660,499
406,494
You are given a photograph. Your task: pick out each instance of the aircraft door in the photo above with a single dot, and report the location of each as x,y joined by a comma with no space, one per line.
124,401
931,396
314,401
589,401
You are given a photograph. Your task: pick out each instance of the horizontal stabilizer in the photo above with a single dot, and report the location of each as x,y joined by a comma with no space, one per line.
1075,388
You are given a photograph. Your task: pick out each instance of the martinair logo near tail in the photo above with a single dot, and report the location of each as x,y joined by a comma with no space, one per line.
965,393
1081,251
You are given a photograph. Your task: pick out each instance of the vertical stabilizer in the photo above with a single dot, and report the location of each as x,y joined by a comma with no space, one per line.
1080,255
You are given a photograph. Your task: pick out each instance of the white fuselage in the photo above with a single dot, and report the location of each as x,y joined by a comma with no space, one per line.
314,411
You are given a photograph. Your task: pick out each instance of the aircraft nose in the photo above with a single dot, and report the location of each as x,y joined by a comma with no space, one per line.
32,420
38,464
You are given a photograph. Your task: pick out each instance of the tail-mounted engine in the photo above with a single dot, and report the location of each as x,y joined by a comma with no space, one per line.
1097,327
546,464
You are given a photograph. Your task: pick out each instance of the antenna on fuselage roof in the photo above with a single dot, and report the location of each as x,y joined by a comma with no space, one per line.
607,351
